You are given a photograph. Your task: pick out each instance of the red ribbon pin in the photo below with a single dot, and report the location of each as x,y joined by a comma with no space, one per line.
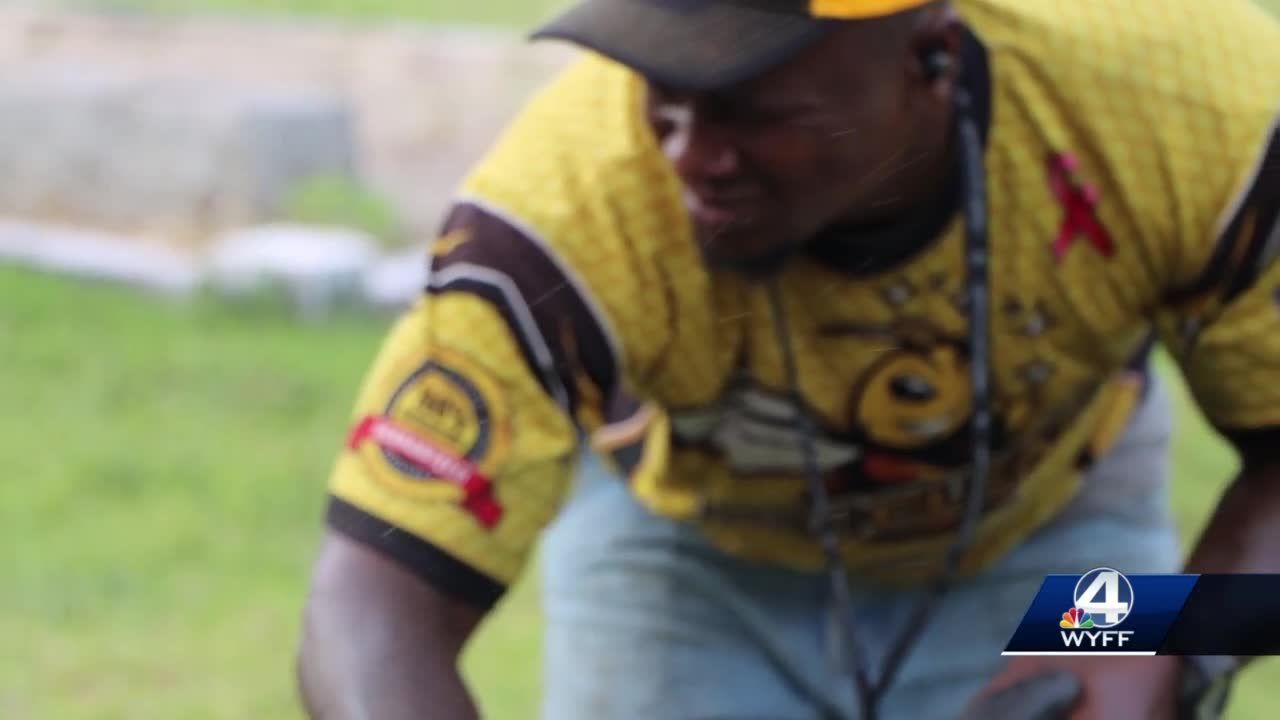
1080,205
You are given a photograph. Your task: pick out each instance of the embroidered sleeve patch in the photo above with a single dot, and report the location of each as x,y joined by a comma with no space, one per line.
440,435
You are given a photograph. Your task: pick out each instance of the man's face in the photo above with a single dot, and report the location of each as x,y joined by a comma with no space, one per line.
833,135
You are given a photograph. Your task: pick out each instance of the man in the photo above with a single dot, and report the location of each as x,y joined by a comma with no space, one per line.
727,247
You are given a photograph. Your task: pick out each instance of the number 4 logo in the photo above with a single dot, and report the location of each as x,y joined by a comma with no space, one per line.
1106,595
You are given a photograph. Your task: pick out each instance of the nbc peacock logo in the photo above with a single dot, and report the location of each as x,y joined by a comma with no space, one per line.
1076,619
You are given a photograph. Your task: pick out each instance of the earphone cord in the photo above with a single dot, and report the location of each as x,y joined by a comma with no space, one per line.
822,518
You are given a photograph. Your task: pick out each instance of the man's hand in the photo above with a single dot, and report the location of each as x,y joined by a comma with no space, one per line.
1105,688
1241,537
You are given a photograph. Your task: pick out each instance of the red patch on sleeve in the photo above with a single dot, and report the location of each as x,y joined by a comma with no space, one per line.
478,497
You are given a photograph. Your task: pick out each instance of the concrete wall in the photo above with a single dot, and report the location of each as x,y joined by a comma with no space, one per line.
182,128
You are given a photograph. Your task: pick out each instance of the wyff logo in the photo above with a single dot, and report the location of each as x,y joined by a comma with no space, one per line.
1096,614
1106,595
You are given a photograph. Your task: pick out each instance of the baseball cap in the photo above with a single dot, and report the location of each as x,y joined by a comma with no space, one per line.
706,44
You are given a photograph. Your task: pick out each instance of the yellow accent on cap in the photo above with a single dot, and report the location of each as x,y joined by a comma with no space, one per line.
857,9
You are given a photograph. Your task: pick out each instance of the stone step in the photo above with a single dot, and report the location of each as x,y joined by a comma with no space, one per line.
96,255
318,268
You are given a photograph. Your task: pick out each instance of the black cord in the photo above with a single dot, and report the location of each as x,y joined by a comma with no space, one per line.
977,294
823,522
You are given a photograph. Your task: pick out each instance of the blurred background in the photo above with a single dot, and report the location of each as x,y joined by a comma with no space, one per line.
209,212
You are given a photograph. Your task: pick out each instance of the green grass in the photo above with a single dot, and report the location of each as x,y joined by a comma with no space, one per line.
165,467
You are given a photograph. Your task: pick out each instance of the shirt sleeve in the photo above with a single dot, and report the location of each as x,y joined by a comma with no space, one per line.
465,431
1224,326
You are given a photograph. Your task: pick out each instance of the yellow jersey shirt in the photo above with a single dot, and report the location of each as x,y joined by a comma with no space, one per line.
1133,166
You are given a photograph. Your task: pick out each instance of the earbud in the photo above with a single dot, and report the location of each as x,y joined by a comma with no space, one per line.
937,63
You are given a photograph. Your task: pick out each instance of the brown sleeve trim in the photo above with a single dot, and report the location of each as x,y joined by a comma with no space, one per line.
1256,221
1243,251
558,331
433,565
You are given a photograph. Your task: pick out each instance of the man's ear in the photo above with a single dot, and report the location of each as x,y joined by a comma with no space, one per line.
936,43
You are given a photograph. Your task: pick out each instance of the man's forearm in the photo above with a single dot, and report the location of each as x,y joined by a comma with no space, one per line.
1243,535
356,672
379,644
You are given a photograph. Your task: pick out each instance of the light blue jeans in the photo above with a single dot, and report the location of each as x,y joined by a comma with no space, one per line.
647,621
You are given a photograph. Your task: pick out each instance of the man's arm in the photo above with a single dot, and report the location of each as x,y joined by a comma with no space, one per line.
459,454
1243,535
378,642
